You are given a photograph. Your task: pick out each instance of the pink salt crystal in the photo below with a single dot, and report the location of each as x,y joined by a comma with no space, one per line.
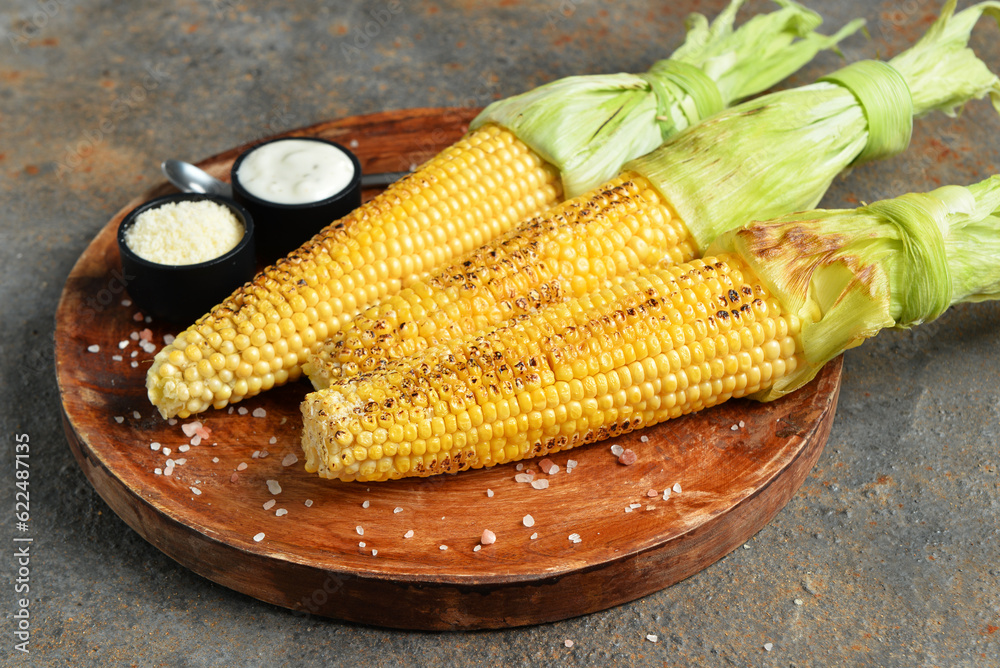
190,428
242,466
203,431
651,493
488,537
628,457
548,466
146,334
138,316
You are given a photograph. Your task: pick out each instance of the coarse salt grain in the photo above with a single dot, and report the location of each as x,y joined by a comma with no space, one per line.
489,493
274,439
189,428
627,509
365,503
651,638
234,477
117,358
652,492
548,466
263,454
633,506
242,466
477,548
575,538
196,440
570,465
617,450
259,413
184,448
269,504
397,509
360,529
309,503
523,477
734,427
158,471
242,410
154,446
126,302
534,536
122,345
374,552
742,424
166,452
644,438
443,548
196,491
540,484
519,467
259,537
677,487
627,458
289,459
529,521
408,534
280,512
172,421
119,419
169,470
168,339
568,642
488,537
215,460
768,646
94,348
361,544
134,365
273,487
666,494
137,316
255,455
180,462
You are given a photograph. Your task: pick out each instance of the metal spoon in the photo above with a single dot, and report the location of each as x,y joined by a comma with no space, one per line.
190,179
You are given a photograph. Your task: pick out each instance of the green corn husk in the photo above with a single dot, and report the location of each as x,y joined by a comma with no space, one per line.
896,263
780,152
588,126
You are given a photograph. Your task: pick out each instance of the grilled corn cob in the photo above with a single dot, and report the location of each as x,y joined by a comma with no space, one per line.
514,163
762,158
756,320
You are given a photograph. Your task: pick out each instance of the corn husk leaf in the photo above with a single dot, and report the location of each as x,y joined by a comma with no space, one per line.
589,126
779,153
897,263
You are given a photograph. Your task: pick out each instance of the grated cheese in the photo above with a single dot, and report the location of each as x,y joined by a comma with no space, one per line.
180,233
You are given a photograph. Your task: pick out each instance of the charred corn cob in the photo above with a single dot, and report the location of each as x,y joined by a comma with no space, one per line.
758,319
514,163
674,341
260,335
568,252
762,158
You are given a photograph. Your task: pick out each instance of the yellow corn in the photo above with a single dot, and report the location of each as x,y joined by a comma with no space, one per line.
654,346
566,252
260,336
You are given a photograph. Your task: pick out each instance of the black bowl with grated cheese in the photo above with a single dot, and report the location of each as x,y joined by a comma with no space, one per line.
183,292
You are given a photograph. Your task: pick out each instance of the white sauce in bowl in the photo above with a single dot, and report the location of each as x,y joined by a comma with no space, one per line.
295,171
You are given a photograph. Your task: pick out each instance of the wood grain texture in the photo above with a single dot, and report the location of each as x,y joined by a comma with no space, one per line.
310,559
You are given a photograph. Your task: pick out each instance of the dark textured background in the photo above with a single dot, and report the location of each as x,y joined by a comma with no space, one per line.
888,555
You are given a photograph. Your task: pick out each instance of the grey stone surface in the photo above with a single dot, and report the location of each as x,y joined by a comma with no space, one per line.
887,556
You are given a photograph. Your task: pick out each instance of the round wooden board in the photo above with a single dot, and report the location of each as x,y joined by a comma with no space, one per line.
312,559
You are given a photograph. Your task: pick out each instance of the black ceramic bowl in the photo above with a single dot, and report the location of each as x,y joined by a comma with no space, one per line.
182,293
281,228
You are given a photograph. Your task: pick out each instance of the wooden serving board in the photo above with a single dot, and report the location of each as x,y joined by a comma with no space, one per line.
310,559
